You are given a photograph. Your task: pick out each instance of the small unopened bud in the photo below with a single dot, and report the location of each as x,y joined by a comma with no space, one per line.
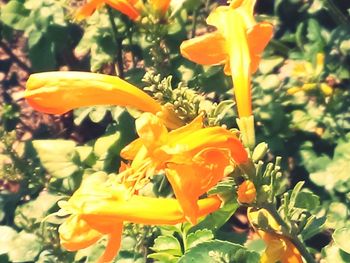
260,151
246,192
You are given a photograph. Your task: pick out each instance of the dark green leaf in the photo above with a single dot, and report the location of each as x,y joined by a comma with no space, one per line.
219,251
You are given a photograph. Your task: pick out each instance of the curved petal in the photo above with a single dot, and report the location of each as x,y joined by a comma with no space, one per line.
129,152
208,49
151,130
191,181
183,181
258,38
124,6
88,9
59,92
216,137
194,125
76,234
113,245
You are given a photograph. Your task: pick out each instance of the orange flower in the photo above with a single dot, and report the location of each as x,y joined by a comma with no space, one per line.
278,247
246,192
59,92
100,206
237,43
131,8
193,158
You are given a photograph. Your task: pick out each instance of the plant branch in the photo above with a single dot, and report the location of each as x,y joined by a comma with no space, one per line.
118,41
293,238
336,14
194,23
9,52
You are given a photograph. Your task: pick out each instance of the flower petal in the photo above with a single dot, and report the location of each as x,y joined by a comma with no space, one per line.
208,49
258,38
59,92
88,9
127,7
183,179
113,245
76,234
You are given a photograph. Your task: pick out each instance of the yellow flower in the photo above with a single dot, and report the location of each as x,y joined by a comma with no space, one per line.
59,92
194,158
99,207
278,247
246,192
237,43
308,76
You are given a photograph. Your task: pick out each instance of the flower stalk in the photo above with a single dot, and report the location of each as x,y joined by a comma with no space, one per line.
118,39
286,232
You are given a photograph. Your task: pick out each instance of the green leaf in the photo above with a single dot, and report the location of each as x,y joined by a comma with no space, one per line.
337,215
217,219
6,235
24,247
105,143
294,194
332,254
307,200
198,237
85,154
167,244
163,257
107,149
42,55
97,114
15,15
4,258
57,156
267,65
340,237
313,226
35,211
219,251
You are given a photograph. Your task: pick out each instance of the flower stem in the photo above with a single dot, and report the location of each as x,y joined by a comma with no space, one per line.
118,41
293,238
335,13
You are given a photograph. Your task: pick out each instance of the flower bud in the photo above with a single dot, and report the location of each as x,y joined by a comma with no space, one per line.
246,192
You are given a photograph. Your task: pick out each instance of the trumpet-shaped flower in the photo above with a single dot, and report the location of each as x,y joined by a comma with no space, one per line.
237,43
59,92
99,207
278,247
194,158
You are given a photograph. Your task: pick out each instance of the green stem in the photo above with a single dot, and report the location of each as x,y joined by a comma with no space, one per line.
194,23
336,14
280,47
294,239
118,41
